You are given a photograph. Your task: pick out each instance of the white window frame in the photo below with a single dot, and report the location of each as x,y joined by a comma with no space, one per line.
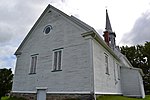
118,71
115,76
57,59
106,59
33,64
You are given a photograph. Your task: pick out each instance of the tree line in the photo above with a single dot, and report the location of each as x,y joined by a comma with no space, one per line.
6,77
139,57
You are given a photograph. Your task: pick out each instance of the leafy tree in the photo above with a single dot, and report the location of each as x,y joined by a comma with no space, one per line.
139,56
146,53
5,81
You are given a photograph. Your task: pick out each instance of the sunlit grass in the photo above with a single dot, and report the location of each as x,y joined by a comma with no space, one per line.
121,98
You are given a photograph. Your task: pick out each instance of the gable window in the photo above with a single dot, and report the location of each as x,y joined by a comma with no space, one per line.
57,59
33,64
106,63
47,29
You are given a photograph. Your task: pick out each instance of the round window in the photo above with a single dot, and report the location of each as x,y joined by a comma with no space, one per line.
47,29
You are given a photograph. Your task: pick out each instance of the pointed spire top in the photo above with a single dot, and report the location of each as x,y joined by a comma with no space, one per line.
108,25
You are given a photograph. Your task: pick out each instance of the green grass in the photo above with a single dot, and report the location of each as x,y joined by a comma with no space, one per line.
98,98
4,98
121,98
12,98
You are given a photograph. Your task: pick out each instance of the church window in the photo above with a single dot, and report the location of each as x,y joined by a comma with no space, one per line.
47,29
106,63
33,64
115,71
57,59
118,69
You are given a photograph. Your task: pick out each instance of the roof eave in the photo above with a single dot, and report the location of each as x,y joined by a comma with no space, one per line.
97,37
138,69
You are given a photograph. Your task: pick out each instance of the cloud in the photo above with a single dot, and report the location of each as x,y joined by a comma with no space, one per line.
140,32
100,31
7,59
16,19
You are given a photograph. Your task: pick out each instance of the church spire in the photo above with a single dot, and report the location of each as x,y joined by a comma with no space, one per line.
108,25
109,35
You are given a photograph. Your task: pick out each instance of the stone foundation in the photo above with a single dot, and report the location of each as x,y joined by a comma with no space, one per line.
28,96
69,97
32,96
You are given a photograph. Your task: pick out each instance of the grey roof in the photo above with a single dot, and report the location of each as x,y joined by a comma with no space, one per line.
108,25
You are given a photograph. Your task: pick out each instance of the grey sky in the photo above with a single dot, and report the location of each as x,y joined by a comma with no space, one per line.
140,32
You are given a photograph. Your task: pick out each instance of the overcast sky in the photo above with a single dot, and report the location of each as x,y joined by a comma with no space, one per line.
130,19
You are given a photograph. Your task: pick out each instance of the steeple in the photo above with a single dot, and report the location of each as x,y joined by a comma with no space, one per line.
108,25
109,35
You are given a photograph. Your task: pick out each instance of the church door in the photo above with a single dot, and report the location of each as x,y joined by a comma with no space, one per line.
41,94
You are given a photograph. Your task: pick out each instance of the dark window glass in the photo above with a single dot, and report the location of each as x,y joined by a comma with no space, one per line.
47,30
57,60
33,64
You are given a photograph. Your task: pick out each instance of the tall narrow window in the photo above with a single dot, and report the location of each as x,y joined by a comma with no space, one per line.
118,70
33,64
114,71
57,60
106,63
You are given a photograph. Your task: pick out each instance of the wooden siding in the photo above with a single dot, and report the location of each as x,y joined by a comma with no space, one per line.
104,83
75,62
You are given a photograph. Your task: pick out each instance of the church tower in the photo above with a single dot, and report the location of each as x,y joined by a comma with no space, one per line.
109,35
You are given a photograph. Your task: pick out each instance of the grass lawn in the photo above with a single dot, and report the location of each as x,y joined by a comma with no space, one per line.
121,98
99,98
11,98
4,98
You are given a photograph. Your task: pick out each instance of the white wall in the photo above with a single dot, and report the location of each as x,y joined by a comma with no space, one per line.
132,84
75,74
104,83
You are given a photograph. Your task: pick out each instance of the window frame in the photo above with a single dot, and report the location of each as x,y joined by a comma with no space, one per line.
33,63
106,62
115,71
57,60
118,71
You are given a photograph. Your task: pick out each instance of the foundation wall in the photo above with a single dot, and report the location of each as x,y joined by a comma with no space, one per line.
33,96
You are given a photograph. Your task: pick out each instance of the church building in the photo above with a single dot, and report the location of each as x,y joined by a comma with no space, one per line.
64,58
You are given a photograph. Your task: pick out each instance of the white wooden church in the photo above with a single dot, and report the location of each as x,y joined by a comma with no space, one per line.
62,57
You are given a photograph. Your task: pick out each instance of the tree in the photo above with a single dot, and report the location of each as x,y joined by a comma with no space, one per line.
146,53
6,77
139,57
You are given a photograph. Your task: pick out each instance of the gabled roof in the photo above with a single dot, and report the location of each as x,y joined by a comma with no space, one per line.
71,18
